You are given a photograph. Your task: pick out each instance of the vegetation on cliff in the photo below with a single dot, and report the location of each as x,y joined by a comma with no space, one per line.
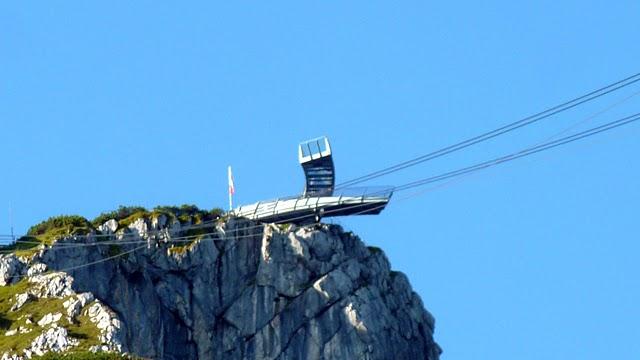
48,231
19,328
84,355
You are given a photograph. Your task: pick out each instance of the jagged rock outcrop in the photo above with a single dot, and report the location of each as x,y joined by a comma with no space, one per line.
10,265
54,339
51,335
240,291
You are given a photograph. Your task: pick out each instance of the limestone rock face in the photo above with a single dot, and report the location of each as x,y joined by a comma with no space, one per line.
108,324
10,266
108,227
49,319
54,339
20,300
75,304
242,291
56,285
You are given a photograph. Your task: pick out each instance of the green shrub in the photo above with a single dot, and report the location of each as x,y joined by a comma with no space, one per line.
67,222
216,213
189,209
51,229
122,213
132,218
182,248
170,211
188,213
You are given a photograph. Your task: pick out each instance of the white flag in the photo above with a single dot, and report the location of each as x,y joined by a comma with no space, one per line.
232,189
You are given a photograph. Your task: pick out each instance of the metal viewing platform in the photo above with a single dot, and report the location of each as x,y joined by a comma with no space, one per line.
319,198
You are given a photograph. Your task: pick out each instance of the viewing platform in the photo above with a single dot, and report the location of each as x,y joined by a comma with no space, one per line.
319,198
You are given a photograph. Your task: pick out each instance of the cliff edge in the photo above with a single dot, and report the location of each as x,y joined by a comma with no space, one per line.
160,288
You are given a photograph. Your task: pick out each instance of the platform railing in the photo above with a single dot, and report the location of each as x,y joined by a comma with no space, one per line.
270,207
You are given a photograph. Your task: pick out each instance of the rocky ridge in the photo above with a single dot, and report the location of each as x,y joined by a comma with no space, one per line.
40,291
236,291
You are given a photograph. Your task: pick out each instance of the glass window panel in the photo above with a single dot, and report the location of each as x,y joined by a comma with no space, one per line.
322,145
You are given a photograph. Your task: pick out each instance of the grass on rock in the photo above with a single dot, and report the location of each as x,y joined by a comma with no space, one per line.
82,329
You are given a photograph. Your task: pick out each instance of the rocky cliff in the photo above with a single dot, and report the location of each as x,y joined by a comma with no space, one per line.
234,290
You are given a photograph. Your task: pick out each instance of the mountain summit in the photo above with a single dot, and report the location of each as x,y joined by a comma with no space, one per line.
164,285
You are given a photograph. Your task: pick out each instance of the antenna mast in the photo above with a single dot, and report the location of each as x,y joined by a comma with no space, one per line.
13,238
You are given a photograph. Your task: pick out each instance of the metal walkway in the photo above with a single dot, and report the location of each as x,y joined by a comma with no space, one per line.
311,209
319,198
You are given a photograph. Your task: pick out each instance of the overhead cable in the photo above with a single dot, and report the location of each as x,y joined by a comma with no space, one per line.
522,153
499,131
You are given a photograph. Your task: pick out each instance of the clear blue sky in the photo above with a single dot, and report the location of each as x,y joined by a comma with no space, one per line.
147,103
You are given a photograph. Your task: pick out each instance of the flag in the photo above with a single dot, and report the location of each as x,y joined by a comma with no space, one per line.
232,189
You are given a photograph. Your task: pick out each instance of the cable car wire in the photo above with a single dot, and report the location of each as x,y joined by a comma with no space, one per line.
499,131
522,153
